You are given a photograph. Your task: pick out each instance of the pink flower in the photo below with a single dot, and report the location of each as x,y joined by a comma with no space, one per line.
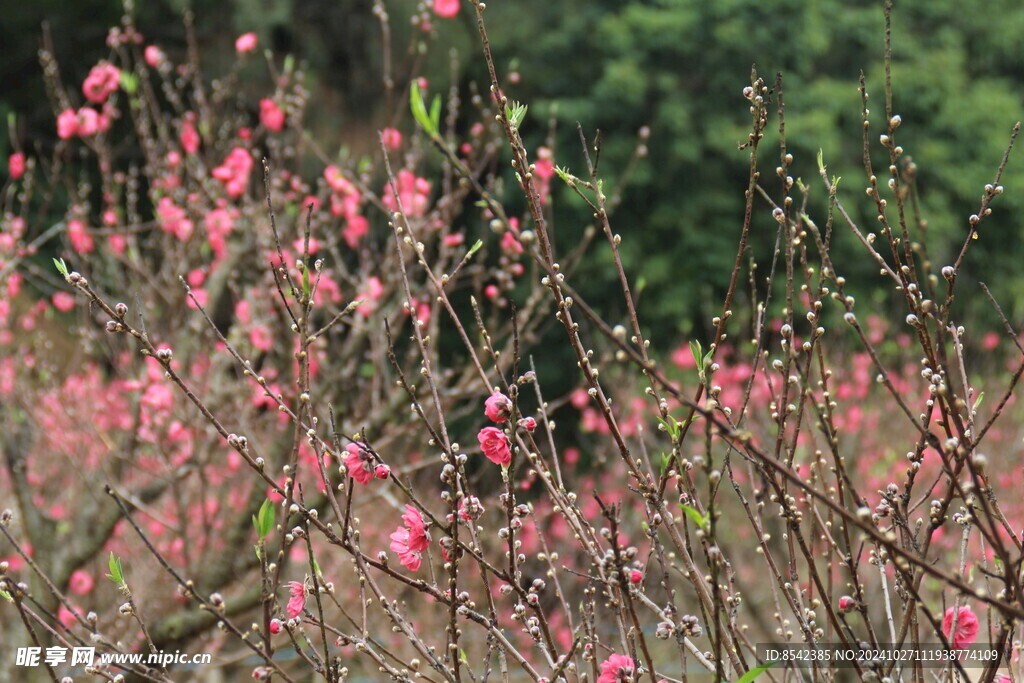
683,357
261,338
219,223
446,8
16,165
413,192
66,616
88,122
300,244
243,311
338,182
81,241
411,541
102,81
544,167
275,626
298,600
234,172
67,124
359,464
966,627
370,295
173,219
615,668
63,302
81,582
510,244
495,446
189,136
154,56
271,115
391,137
497,407
246,42
117,243
636,576
356,227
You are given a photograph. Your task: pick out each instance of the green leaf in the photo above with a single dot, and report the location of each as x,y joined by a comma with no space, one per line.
435,113
419,110
977,402
702,521
129,82
672,426
6,596
306,288
665,458
567,178
754,673
698,357
515,113
62,267
116,572
263,521
475,248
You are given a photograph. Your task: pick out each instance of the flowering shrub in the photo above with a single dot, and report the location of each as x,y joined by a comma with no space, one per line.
246,403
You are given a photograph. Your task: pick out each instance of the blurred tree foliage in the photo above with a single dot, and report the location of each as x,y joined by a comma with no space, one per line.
677,66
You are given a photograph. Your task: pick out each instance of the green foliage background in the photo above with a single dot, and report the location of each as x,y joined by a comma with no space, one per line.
677,66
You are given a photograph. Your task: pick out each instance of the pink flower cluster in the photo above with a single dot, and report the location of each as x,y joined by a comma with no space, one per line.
411,540
234,172
544,170
361,467
102,82
413,192
174,219
345,201
219,224
81,241
615,669
188,135
84,123
271,115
